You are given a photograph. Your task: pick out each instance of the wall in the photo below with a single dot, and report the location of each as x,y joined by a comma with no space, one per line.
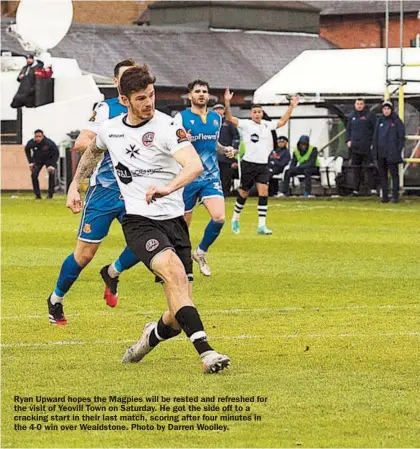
15,174
115,12
364,32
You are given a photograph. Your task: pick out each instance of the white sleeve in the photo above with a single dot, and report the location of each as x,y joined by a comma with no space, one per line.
177,138
99,115
243,123
272,126
100,137
178,119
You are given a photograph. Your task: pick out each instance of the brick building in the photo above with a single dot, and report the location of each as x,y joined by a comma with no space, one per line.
361,24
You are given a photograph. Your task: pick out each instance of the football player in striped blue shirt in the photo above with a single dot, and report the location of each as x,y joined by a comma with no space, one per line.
103,204
203,127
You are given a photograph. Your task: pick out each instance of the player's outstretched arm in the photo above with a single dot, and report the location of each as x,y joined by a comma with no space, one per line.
227,151
228,113
191,165
87,164
293,103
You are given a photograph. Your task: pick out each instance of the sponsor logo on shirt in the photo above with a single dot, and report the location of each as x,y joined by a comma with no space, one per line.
145,172
202,136
116,136
148,139
93,116
123,173
255,138
132,151
151,245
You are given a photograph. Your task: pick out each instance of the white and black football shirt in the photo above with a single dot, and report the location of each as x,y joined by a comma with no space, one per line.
142,156
258,140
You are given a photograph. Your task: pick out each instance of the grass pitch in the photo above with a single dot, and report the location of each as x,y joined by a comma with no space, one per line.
321,318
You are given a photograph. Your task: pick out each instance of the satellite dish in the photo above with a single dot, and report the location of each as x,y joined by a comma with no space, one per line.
44,23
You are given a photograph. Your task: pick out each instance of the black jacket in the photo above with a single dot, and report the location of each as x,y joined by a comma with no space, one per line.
360,129
229,137
389,139
278,160
45,152
25,95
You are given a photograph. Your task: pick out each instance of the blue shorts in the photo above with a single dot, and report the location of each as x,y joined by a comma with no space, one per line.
102,206
200,190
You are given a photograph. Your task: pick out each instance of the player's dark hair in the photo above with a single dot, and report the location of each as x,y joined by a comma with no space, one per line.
256,106
38,131
135,79
360,99
125,63
197,83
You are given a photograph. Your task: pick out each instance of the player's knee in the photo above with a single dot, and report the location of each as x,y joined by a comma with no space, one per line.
219,218
84,255
243,193
173,271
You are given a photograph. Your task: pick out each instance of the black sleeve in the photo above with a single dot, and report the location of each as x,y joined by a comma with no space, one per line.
20,73
312,158
294,161
375,141
28,152
235,135
54,151
348,128
401,134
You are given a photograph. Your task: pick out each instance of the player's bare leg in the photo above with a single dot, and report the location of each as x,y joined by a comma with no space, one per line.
216,208
240,204
262,209
181,313
188,218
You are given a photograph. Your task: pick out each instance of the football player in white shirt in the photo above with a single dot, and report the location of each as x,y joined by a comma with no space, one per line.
258,140
153,160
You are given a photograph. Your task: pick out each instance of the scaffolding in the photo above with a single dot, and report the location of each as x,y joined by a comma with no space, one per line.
400,83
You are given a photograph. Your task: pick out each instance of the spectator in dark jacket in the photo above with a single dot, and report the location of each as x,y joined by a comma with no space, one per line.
278,160
388,145
25,96
229,137
42,151
304,162
359,134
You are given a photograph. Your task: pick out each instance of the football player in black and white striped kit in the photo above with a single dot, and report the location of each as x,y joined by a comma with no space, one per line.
256,134
153,160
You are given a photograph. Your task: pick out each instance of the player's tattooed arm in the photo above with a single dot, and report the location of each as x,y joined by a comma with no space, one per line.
87,164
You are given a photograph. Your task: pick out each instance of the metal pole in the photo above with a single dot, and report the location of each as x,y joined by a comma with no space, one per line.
386,48
401,90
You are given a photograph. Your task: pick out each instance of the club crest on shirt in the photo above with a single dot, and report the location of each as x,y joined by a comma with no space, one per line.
151,245
93,116
182,135
215,123
87,229
148,139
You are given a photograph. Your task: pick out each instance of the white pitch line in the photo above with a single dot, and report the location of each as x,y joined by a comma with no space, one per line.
231,311
303,208
235,337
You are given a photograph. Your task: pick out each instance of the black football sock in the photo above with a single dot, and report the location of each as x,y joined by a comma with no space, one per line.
162,332
190,322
